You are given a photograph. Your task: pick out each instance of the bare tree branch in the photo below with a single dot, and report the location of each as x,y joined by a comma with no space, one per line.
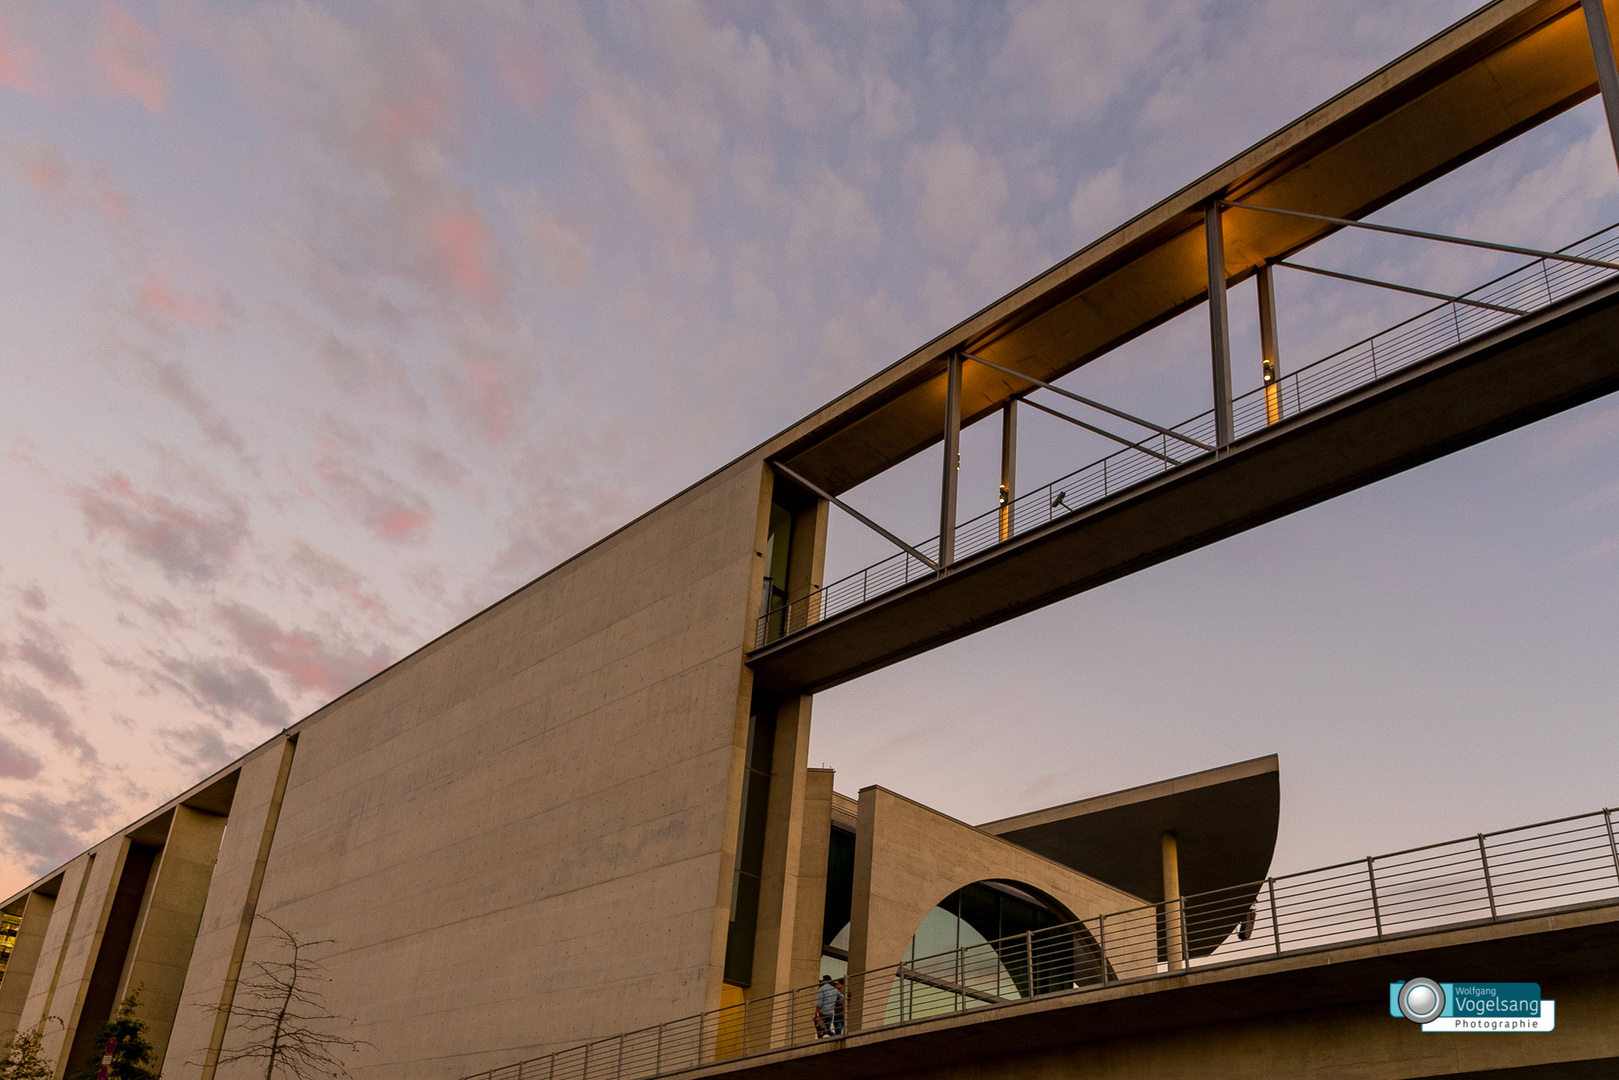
279,1013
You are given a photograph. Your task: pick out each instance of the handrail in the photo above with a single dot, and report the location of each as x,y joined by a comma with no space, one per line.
1535,868
1529,288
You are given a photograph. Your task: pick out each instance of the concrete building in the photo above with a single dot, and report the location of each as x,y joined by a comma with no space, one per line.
588,811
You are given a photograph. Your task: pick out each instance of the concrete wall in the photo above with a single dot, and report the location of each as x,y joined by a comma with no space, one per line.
521,836
909,857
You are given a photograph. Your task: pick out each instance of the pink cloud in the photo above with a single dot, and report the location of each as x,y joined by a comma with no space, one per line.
48,170
316,567
310,664
171,379
485,398
392,511
187,545
129,59
520,74
18,64
420,115
111,203
465,255
162,299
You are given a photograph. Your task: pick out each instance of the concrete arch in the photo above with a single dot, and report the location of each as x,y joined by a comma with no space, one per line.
909,857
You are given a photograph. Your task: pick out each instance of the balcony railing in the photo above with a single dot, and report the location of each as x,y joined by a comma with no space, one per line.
1529,288
1477,879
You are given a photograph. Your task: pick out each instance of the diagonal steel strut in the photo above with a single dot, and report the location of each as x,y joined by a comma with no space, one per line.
1488,245
1401,288
1100,431
846,508
1177,436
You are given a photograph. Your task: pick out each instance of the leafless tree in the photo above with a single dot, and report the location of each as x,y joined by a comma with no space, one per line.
283,1014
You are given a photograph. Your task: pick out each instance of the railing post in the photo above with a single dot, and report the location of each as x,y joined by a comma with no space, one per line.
1371,879
551,1074
1613,849
1028,958
1270,360
952,461
1489,889
1275,924
1101,945
1219,325
584,1073
657,1056
520,1065
702,1016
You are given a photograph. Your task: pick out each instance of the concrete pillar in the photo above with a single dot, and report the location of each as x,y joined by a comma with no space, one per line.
228,914
53,949
784,834
36,911
161,952
1174,940
810,914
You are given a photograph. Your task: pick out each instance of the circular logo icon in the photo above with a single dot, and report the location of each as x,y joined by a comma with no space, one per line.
1422,1000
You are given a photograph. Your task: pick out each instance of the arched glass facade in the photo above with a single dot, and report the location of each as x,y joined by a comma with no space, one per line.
985,944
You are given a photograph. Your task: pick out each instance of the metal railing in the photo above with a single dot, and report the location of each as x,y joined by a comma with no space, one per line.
1528,288
1563,863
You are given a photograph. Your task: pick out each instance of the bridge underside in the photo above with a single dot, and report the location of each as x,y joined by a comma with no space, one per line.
1536,367
1322,1015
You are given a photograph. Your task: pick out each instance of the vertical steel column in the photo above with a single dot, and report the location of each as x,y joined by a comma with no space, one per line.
1028,958
1596,25
1174,911
1219,326
1270,360
952,462
1008,466
1101,945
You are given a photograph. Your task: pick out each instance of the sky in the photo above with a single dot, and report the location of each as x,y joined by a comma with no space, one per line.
325,325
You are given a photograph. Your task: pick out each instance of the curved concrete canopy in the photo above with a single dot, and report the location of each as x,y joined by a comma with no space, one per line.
1224,820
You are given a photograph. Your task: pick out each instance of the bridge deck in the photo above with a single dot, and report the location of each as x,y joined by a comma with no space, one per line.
1560,357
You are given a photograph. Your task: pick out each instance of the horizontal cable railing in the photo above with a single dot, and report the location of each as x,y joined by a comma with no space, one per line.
1533,868
1529,288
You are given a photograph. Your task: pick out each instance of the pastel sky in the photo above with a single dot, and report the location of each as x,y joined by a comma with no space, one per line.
324,325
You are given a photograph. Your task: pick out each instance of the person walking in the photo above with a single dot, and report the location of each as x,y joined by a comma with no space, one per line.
826,1008
838,1006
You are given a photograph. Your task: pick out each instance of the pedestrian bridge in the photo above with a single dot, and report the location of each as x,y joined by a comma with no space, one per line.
1518,347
